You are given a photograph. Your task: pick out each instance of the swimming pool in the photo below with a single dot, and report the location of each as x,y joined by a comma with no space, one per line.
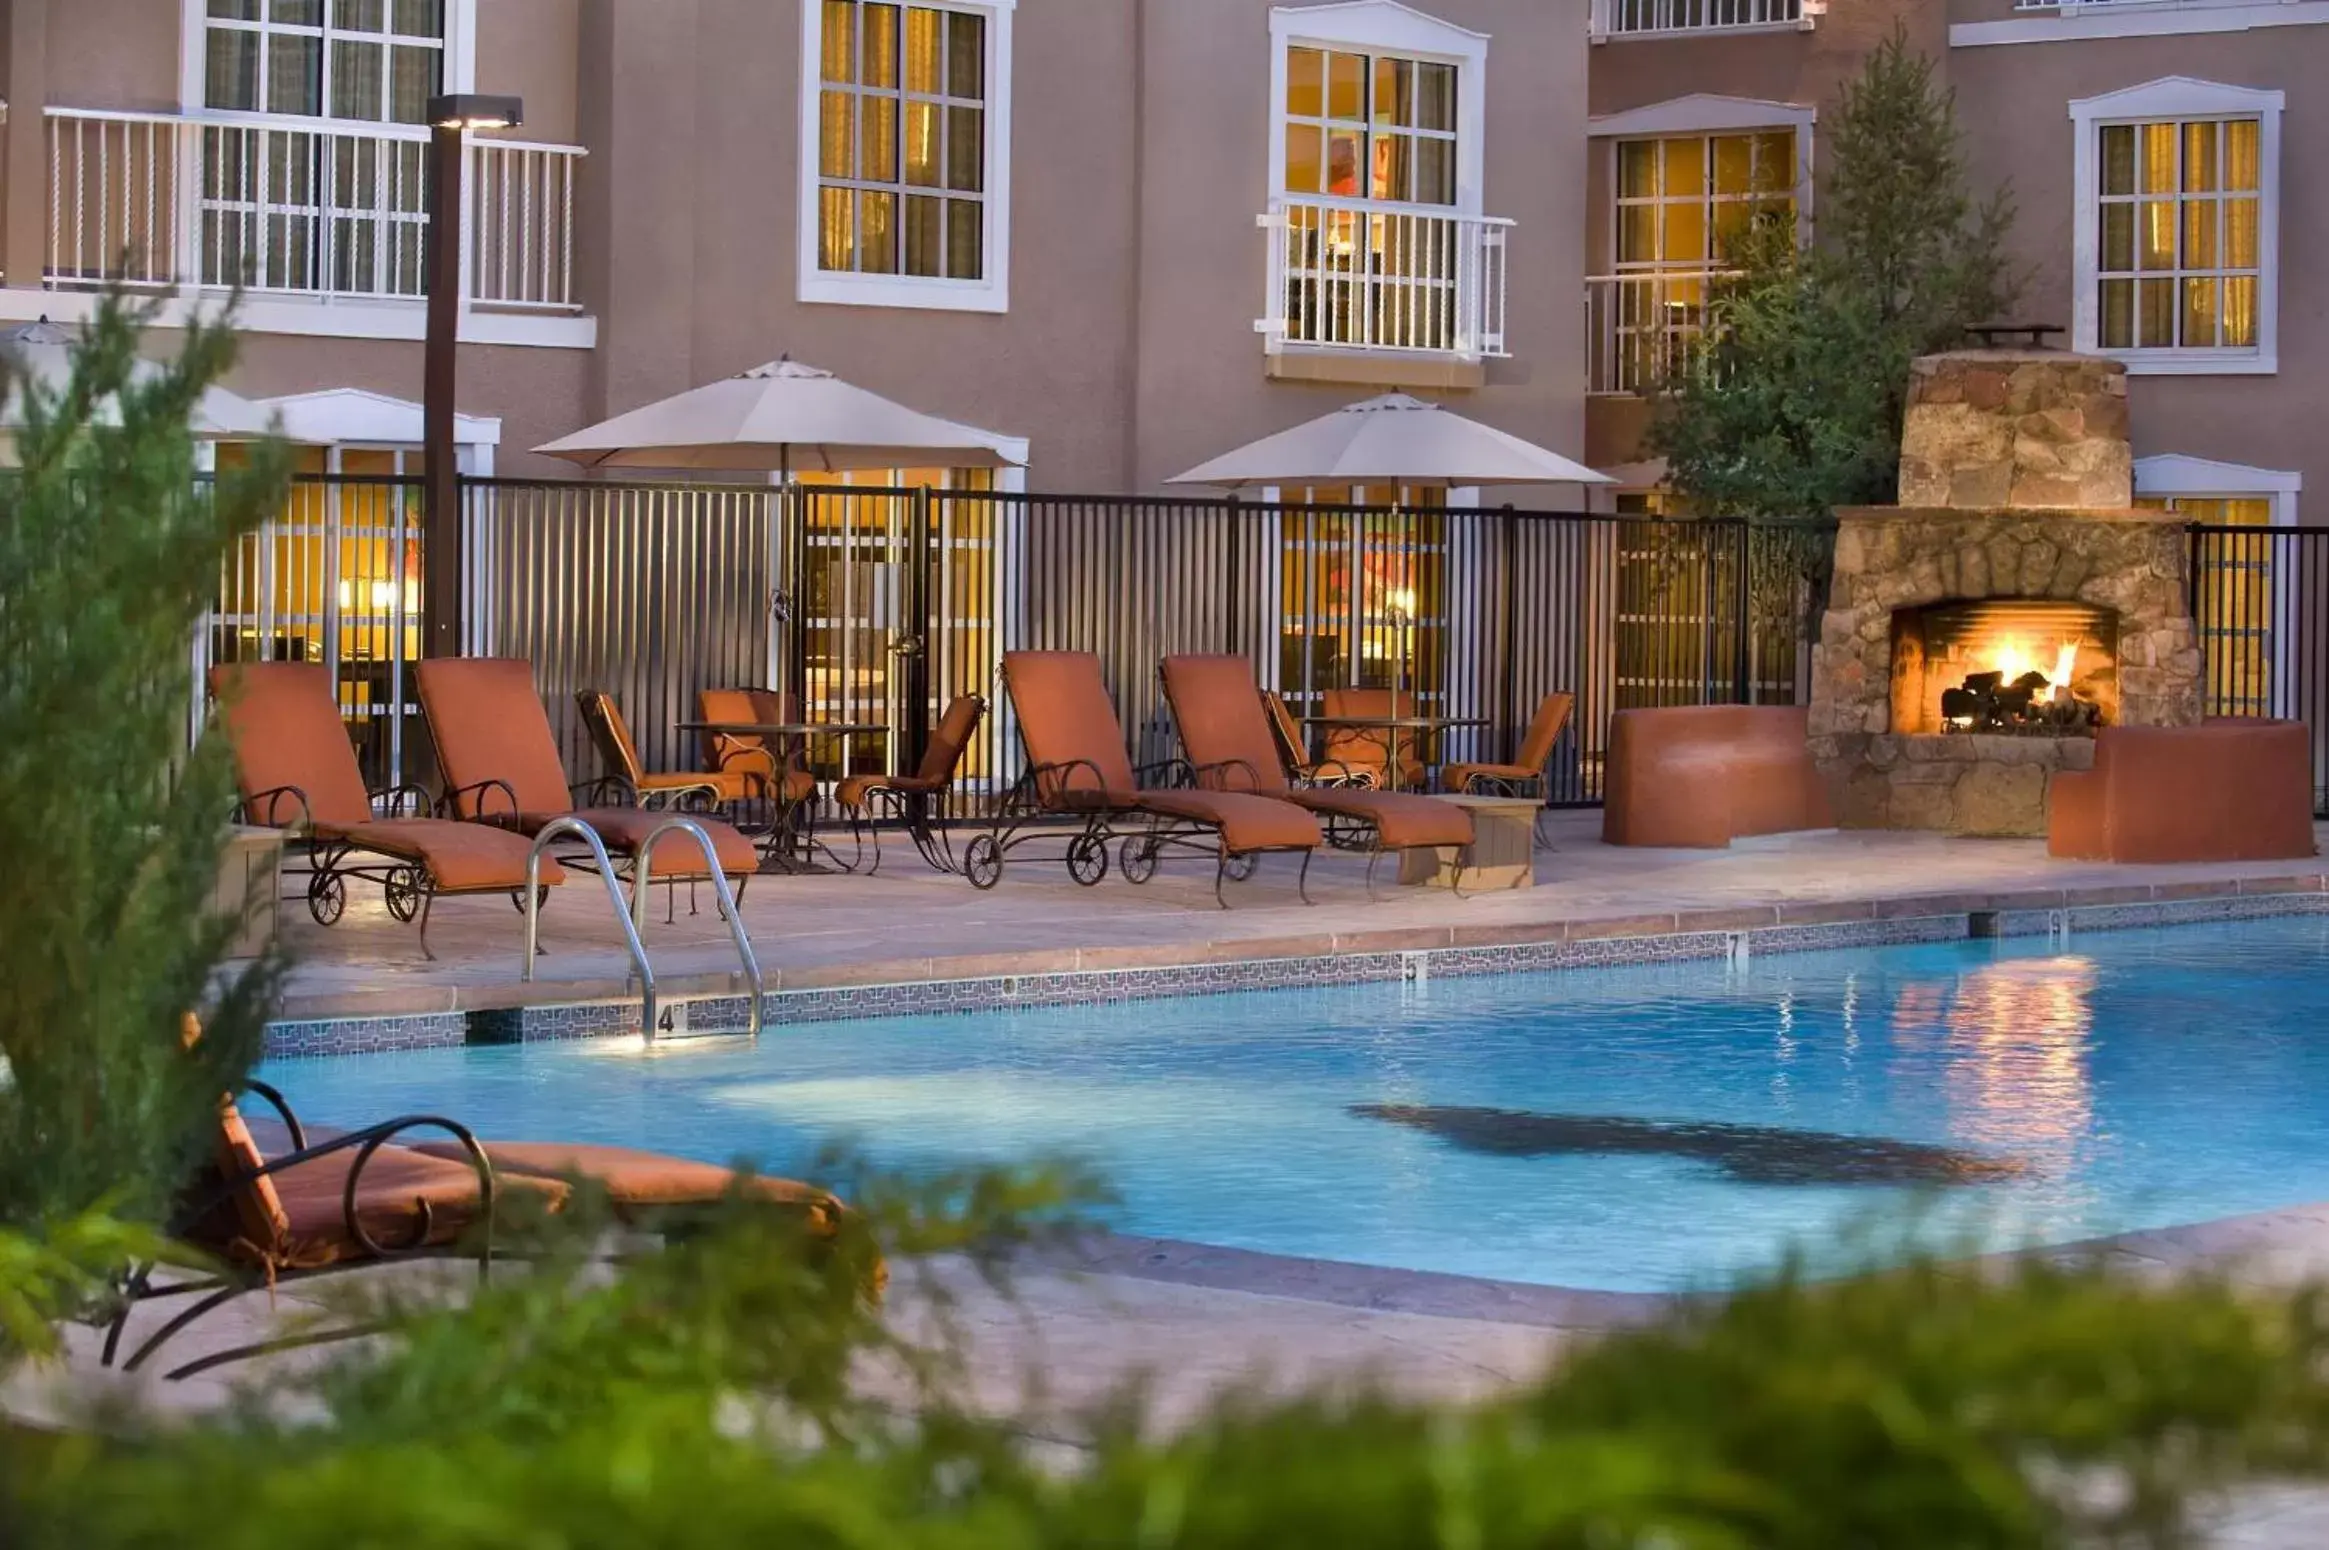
1635,1129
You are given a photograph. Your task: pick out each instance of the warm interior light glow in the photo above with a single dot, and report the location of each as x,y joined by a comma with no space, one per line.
1401,602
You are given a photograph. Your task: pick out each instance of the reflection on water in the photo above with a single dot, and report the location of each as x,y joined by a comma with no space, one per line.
2017,1039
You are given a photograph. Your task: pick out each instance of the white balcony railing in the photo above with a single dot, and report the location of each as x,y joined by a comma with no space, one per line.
1633,18
291,208
1640,329
1359,275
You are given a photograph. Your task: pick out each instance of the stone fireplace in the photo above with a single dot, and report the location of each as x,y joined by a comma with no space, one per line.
1979,632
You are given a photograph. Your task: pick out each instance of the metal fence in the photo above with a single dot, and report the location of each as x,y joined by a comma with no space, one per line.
2260,607
880,605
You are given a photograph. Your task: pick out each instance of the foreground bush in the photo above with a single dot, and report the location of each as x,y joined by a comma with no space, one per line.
704,1398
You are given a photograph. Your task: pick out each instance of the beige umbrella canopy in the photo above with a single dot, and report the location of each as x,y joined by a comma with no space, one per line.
43,352
784,417
1394,439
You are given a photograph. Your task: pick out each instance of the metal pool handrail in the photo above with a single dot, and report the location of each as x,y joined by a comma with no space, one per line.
532,905
726,897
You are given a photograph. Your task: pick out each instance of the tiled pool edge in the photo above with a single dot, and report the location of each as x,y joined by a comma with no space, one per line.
1582,944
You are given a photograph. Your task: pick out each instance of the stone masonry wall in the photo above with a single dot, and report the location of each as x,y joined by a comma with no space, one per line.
2134,563
2016,429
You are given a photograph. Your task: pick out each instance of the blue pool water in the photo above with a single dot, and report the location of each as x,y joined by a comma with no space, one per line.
1627,1129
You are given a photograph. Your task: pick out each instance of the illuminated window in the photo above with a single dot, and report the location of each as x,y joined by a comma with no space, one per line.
1370,126
1363,590
1684,201
908,111
2235,604
2175,244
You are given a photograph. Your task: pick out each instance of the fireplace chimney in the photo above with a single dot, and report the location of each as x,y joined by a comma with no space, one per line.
2016,428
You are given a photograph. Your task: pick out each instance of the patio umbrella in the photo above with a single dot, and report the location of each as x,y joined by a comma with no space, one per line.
783,418
43,352
1395,440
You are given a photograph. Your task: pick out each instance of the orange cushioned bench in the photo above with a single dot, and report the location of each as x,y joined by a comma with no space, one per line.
1704,775
2237,789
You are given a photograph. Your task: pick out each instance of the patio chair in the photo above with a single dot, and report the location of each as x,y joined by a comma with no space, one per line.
279,1202
1366,751
611,734
1218,709
746,765
1077,770
501,766
1526,775
296,770
1295,750
913,799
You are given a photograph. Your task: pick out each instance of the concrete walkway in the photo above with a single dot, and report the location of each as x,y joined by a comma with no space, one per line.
909,924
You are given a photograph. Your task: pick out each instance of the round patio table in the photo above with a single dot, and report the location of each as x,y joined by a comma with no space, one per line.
786,834
1422,726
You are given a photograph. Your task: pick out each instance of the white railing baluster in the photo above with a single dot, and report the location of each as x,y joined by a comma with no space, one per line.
266,203
1633,18
1373,275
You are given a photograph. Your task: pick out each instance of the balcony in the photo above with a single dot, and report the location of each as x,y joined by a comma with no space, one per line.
1640,329
307,214
1404,285
1684,18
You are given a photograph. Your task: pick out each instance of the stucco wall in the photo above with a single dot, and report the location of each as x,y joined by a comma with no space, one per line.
120,54
2015,106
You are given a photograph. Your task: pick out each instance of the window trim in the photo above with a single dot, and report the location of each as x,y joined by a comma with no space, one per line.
1386,27
931,293
2175,475
460,72
2171,99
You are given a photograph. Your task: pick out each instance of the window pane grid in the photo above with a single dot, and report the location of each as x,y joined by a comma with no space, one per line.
2177,251
902,140
370,61
1684,201
1376,127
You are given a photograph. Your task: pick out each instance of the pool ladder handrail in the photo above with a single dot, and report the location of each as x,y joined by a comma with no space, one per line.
633,917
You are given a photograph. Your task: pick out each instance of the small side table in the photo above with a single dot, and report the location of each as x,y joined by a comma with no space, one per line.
247,887
1501,857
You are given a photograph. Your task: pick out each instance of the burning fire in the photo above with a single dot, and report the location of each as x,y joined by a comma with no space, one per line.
2013,660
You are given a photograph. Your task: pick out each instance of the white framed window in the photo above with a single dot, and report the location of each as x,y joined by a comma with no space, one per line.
2176,236
2245,578
362,61
1375,102
1682,201
905,153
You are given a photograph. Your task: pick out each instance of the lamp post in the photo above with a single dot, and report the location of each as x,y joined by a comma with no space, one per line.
450,119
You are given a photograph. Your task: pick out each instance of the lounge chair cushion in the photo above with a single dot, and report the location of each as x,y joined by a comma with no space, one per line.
625,829
1067,720
257,1217
851,794
637,1180
458,857
1401,820
1246,822
1218,710
286,731
489,724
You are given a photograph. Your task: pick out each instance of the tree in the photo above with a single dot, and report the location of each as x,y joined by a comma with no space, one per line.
110,830
1794,407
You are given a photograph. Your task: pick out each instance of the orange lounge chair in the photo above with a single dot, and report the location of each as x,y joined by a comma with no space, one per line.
501,766
1077,769
279,1202
1219,711
297,771
911,798
1295,750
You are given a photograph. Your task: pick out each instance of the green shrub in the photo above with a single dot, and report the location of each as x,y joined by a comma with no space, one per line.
110,833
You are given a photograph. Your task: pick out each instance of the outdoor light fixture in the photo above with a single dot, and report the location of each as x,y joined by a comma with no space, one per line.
450,117
475,110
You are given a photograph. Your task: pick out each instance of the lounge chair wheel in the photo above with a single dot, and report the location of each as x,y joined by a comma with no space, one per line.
982,863
401,891
1137,860
1238,868
1087,858
327,897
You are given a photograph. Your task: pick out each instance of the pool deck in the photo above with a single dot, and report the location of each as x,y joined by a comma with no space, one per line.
910,926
